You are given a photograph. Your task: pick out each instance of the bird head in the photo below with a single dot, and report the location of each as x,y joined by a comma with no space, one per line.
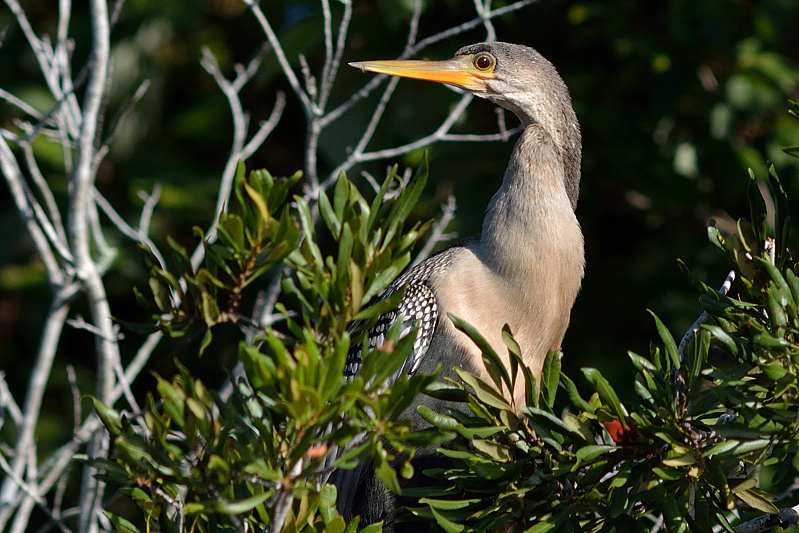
513,76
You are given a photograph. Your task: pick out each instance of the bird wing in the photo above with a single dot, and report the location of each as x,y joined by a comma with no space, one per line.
417,309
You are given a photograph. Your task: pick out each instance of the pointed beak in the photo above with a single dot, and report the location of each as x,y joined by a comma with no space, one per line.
458,71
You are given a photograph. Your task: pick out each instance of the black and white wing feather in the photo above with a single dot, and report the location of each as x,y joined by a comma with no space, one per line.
417,309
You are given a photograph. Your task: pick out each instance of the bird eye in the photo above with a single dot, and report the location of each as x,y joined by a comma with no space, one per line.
484,61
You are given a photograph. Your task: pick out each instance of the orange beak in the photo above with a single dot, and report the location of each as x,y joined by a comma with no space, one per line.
458,71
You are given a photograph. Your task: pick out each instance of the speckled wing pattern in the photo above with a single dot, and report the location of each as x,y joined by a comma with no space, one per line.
417,309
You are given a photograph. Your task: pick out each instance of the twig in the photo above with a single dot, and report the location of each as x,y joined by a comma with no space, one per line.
437,233
414,50
82,184
37,383
45,60
7,402
147,210
127,108
13,175
658,525
786,517
79,323
20,104
126,229
333,64
41,184
725,287
239,150
72,378
283,504
30,491
274,42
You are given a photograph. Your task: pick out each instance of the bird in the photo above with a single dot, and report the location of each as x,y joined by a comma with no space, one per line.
526,266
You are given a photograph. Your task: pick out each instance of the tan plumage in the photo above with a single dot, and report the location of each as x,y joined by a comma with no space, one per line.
526,266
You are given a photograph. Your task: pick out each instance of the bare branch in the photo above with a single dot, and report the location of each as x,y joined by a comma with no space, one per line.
37,383
286,495
80,200
79,323
308,78
483,7
72,378
13,175
725,287
414,50
468,25
127,108
274,42
53,468
30,491
7,403
126,229
784,518
239,150
53,212
437,234
46,60
150,202
327,26
332,65
265,128
20,104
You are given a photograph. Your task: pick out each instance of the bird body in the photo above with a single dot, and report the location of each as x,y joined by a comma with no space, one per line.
526,266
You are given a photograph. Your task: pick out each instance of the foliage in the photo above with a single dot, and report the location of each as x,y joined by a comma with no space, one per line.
206,462
707,442
713,430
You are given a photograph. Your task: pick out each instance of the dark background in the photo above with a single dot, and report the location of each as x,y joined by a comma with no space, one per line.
676,99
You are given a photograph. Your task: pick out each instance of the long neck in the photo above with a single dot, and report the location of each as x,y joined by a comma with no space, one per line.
531,216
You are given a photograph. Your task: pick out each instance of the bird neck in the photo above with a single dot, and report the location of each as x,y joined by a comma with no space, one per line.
552,111
531,216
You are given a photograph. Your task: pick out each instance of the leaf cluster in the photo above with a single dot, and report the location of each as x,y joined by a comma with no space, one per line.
262,457
709,441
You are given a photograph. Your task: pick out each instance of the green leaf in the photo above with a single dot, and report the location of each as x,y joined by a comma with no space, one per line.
329,217
552,420
587,454
775,371
550,377
668,341
493,364
448,505
388,476
258,200
606,392
446,524
438,420
120,524
757,499
210,309
483,391
110,418
385,277
239,506
723,337
541,527
574,394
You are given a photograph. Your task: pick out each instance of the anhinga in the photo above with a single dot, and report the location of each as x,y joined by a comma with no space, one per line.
526,266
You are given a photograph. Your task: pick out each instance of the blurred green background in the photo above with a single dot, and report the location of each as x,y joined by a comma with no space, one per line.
675,99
